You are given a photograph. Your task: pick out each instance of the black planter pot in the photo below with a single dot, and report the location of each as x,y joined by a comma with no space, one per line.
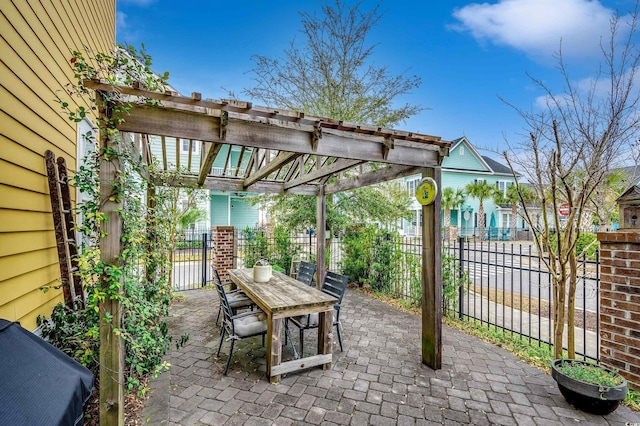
594,399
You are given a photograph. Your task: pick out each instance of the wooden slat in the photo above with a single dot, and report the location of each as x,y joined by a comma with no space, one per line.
302,363
164,153
209,158
279,161
252,161
190,154
231,183
178,142
337,166
242,150
381,175
247,112
226,160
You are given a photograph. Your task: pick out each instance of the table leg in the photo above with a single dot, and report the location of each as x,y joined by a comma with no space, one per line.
274,348
325,335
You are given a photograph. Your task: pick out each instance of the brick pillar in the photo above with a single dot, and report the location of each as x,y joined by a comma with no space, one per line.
620,303
224,239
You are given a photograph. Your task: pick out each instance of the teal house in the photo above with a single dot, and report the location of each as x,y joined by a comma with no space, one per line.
465,165
226,208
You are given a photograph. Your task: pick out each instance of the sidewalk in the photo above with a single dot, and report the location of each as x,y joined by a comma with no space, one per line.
377,380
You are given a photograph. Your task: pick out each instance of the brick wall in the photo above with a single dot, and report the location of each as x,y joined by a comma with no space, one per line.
620,303
224,240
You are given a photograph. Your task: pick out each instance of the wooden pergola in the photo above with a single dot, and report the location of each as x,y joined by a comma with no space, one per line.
278,152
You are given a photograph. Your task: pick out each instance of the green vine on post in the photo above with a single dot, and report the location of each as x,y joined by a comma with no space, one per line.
129,293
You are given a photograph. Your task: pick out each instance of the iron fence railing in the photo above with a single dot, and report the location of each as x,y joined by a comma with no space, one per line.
506,286
192,259
500,285
256,243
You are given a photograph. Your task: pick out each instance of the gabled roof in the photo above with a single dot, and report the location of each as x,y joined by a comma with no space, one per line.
497,167
630,195
489,165
455,144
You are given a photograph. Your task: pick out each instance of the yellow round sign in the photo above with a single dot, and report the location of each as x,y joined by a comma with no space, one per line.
426,191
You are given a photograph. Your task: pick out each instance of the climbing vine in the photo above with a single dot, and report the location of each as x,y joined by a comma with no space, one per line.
138,277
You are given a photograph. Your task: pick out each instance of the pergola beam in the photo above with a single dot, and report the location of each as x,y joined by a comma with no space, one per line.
232,183
248,112
278,162
335,167
207,163
377,176
291,137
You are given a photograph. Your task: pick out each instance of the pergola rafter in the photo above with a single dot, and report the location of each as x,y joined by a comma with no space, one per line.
266,150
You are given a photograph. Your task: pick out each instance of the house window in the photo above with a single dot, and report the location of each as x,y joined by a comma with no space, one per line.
503,186
478,180
506,220
184,147
462,150
412,185
86,145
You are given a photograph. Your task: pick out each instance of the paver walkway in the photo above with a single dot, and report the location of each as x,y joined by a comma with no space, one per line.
377,380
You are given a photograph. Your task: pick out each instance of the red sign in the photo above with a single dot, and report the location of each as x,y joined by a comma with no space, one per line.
564,209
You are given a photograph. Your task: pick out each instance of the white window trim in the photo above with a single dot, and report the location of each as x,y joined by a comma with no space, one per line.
195,147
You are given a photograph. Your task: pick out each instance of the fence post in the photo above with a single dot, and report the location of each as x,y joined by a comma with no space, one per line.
204,259
460,276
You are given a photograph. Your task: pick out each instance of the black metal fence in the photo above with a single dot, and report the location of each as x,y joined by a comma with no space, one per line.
192,259
506,286
262,243
501,285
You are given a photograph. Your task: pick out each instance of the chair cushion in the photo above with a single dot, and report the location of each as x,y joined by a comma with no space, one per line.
250,324
310,320
237,300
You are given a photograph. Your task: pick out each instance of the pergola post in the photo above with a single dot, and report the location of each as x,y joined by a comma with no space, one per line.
321,241
110,309
432,278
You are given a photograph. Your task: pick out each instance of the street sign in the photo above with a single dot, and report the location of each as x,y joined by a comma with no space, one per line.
564,209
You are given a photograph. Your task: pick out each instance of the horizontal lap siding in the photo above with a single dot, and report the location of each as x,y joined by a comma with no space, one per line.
36,41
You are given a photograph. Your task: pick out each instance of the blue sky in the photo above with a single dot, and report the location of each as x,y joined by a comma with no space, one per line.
466,53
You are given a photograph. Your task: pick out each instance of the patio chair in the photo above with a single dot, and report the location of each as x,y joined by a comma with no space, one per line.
306,271
334,285
237,298
239,326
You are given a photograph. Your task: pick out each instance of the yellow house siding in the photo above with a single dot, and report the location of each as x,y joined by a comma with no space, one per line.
37,38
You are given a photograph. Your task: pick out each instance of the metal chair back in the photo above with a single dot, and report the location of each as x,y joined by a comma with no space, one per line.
306,271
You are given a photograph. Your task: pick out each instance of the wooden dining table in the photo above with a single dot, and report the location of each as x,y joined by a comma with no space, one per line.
281,297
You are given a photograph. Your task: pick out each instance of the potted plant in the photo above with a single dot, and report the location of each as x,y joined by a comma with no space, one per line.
589,387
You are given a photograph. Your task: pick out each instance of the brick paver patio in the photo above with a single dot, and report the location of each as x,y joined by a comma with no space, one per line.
377,380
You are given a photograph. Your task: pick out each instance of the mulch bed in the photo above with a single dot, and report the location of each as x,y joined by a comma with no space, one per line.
133,405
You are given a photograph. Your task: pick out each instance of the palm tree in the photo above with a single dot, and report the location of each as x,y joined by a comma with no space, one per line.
451,200
482,191
512,198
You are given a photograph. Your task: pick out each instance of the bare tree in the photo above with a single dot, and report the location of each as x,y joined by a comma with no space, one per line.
574,142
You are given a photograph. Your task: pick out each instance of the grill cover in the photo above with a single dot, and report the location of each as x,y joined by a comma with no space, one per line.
39,384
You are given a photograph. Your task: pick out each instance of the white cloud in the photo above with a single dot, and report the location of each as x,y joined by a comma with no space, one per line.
121,21
138,2
536,27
